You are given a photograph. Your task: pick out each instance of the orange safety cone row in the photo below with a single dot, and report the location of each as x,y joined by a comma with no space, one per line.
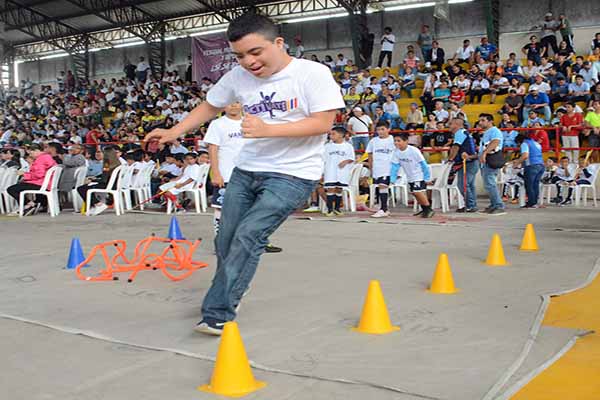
232,375
443,282
375,318
495,257
529,242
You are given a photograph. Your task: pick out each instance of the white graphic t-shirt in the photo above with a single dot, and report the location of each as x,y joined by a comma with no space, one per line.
227,134
381,150
303,87
335,153
410,160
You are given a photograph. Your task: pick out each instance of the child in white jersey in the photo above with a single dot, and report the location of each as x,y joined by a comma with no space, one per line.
288,104
189,178
513,177
564,176
339,158
225,141
417,172
583,176
380,150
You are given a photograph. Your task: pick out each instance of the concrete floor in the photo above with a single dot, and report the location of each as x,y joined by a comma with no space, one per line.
67,339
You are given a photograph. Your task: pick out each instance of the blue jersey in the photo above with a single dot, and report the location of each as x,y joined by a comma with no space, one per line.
534,149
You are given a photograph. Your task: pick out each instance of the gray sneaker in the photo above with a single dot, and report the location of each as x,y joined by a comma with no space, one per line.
497,211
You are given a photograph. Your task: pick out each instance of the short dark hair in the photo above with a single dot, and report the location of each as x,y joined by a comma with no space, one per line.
384,124
570,103
403,136
191,155
487,116
564,157
249,23
339,129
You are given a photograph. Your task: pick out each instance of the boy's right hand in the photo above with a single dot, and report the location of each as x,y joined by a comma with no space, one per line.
217,180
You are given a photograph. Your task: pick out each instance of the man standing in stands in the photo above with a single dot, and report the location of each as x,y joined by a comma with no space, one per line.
387,47
142,70
425,40
549,27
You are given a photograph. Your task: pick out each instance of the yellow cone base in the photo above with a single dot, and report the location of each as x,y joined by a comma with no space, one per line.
257,386
375,319
443,282
232,375
529,242
495,256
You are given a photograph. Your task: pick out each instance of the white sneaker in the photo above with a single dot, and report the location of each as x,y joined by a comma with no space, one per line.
312,209
381,214
98,209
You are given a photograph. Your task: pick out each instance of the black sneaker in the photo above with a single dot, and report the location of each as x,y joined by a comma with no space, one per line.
472,210
273,249
428,214
566,203
557,200
461,210
497,211
210,327
186,203
417,214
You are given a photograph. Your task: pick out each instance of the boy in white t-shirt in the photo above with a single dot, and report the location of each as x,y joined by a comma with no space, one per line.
289,104
417,172
380,150
339,158
225,141
189,178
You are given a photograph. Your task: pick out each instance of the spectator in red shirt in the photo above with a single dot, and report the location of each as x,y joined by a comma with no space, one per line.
457,96
571,123
541,136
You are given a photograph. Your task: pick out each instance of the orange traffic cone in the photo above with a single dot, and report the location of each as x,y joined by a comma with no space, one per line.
375,318
232,375
529,242
442,282
495,256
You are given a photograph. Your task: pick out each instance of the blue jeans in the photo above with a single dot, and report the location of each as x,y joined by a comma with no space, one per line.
255,205
490,176
424,51
358,140
533,175
471,197
547,112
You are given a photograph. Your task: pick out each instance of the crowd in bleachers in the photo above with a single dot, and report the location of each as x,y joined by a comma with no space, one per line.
93,124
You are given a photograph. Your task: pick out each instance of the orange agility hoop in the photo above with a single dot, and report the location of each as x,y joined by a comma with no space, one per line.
175,260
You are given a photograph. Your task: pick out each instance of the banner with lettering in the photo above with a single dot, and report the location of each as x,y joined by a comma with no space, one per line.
211,57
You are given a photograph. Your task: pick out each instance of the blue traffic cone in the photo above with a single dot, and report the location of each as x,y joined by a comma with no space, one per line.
76,256
174,231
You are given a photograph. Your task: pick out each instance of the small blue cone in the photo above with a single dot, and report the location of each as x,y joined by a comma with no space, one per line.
174,231
76,256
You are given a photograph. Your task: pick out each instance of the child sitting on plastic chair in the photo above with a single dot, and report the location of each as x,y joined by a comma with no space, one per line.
189,178
417,172
583,176
513,173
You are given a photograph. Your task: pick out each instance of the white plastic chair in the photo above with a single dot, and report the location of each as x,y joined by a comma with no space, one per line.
351,192
439,189
8,177
454,192
581,191
49,188
79,177
199,192
140,184
125,186
113,188
399,189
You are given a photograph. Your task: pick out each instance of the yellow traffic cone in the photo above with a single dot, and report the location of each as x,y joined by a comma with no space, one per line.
495,256
83,208
442,282
375,318
232,375
529,242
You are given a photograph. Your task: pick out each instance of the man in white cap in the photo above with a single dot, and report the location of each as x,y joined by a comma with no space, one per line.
359,126
538,102
549,27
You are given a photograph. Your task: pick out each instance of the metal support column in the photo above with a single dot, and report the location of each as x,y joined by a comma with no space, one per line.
492,16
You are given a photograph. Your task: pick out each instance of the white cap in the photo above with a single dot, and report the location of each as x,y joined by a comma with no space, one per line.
357,109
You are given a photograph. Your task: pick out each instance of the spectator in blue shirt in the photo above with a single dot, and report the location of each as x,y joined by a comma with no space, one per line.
537,101
491,143
510,135
486,49
579,90
560,91
531,119
531,158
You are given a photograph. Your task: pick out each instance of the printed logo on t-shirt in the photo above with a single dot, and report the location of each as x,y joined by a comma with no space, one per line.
383,150
268,105
235,135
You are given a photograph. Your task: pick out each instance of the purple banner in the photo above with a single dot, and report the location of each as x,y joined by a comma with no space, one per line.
211,57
